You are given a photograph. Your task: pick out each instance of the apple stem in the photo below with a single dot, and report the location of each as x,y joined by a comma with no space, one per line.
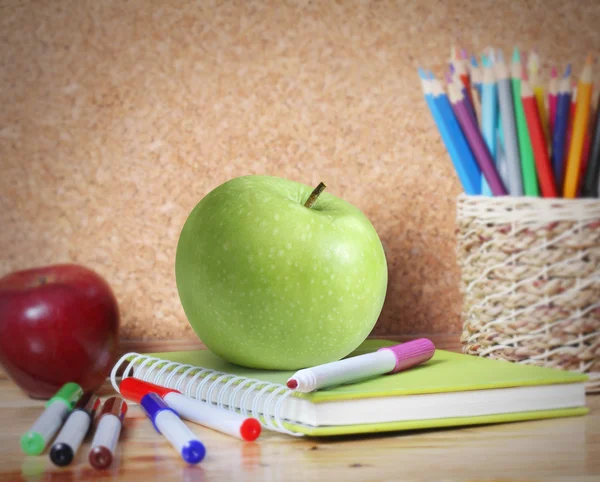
314,195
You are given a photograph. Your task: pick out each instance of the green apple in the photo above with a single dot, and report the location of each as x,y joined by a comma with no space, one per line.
269,282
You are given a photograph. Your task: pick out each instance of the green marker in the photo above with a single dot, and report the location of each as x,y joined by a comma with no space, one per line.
34,441
528,170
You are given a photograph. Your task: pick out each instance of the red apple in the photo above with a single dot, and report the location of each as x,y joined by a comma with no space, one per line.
58,324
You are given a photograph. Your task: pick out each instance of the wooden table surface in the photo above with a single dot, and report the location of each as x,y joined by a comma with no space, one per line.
561,449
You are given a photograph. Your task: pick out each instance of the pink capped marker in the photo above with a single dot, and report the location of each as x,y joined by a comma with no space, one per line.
390,359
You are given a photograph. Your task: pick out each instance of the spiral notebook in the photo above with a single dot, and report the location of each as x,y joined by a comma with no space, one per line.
451,389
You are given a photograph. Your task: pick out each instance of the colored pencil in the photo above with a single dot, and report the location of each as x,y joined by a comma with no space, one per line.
464,163
489,114
465,76
572,112
592,172
538,89
585,153
580,125
501,160
460,70
513,160
587,143
538,141
500,148
530,182
552,99
476,76
559,137
475,140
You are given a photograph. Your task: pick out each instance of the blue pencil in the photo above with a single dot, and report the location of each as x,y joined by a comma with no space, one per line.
561,124
491,56
476,77
489,115
462,158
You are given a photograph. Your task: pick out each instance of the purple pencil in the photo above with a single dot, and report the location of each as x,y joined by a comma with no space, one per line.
471,130
450,77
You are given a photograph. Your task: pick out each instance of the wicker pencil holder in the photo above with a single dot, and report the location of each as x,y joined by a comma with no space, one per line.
531,281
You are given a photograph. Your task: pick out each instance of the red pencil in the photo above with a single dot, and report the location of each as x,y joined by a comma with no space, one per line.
552,101
538,141
460,70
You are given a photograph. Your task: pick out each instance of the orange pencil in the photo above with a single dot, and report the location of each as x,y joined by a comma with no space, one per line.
545,173
580,124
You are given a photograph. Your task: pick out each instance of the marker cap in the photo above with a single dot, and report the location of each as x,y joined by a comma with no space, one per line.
89,403
32,443
193,451
69,393
153,405
135,389
114,406
250,429
411,353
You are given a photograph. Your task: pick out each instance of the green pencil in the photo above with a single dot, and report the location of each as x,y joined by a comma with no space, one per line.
530,182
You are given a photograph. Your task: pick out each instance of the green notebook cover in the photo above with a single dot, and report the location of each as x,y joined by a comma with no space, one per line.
445,372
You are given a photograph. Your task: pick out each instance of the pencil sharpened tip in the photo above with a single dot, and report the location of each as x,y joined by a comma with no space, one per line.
454,52
554,73
567,70
516,57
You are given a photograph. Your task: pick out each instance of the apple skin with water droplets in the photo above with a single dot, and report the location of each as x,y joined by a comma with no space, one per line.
269,283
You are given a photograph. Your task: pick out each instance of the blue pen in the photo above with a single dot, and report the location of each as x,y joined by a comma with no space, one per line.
561,124
166,421
462,158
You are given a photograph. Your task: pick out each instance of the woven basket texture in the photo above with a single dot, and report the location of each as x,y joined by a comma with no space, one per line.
531,281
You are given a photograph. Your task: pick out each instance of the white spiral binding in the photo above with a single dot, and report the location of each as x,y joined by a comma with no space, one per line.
214,384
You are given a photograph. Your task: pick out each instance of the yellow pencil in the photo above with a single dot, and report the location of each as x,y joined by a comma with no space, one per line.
580,124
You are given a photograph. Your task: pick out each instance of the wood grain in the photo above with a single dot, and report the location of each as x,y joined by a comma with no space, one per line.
561,449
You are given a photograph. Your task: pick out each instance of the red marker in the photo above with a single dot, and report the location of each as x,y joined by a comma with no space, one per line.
225,421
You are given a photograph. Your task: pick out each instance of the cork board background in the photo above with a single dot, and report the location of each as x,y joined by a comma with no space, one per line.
119,116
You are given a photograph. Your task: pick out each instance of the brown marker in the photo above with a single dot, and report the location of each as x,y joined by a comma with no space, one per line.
107,433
